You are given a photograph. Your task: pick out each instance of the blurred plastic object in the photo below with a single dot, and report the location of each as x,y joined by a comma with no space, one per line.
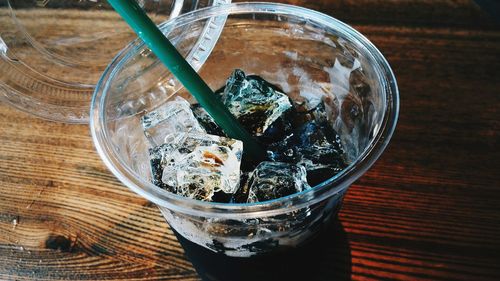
52,52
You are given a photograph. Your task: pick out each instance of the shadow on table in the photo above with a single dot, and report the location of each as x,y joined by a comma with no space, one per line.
328,257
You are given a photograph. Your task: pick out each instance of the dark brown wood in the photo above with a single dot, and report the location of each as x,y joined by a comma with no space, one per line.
428,210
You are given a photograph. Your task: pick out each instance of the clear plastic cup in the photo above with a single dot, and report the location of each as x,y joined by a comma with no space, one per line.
312,57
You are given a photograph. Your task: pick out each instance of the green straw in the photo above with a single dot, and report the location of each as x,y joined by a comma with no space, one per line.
133,14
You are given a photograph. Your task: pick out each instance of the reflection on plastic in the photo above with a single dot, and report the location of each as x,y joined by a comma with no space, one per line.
3,47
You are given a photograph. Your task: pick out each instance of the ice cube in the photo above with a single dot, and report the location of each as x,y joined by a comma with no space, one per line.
316,146
241,195
258,105
272,180
172,117
200,165
157,165
206,121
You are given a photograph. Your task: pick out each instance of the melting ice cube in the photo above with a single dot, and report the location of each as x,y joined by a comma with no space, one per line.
271,180
199,165
172,117
258,105
316,146
157,165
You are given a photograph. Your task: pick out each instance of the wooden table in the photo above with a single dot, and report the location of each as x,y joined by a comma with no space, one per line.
429,208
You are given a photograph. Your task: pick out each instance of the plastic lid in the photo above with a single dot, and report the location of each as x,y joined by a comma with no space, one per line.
52,52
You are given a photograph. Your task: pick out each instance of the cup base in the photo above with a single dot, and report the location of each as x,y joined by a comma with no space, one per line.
306,262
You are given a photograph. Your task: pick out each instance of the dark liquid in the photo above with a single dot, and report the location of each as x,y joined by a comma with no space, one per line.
326,257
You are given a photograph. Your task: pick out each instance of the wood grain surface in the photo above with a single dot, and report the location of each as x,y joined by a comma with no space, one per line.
429,209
